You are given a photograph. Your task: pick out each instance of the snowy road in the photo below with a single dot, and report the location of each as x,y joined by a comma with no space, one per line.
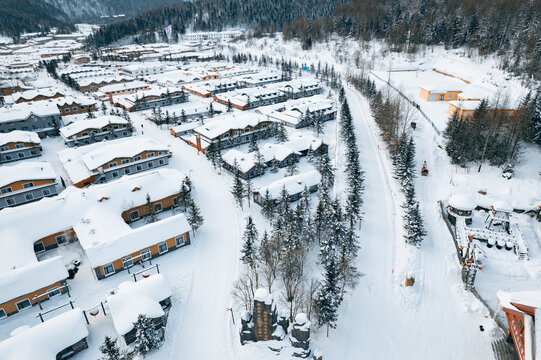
201,331
382,320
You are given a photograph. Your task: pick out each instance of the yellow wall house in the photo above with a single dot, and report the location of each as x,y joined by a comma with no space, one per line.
436,93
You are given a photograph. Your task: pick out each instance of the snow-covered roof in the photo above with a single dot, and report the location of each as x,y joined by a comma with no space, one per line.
105,236
279,152
244,161
57,214
132,299
29,170
502,205
80,163
31,94
462,202
466,105
185,127
22,111
222,124
47,339
130,85
293,111
70,100
91,124
293,184
527,298
19,136
475,92
35,275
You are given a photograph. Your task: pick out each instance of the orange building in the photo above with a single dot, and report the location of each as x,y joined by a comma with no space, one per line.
429,93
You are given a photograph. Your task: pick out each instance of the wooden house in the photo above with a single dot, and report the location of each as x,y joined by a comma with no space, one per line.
70,105
466,109
98,162
151,99
26,182
89,131
230,130
41,117
122,88
37,95
58,338
440,93
19,145
294,185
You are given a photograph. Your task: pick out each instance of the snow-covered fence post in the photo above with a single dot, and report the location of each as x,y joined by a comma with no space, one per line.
232,316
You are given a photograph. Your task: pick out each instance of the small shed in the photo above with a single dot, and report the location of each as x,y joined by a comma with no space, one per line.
460,205
150,297
58,338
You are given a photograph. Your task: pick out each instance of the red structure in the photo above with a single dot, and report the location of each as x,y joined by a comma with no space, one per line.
520,309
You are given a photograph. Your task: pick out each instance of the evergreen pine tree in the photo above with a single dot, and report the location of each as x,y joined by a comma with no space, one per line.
328,298
195,219
249,248
103,108
238,188
248,189
281,133
146,337
183,117
110,350
253,144
229,106
292,168
90,114
211,110
267,207
151,211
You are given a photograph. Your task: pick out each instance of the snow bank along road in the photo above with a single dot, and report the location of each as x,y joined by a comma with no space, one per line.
203,332
378,321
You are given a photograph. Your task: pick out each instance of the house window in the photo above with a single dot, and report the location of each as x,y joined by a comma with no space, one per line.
2,313
10,201
46,192
145,255
108,269
125,161
128,262
21,155
112,165
161,162
134,215
180,241
115,174
74,108
162,248
125,133
28,185
149,155
137,158
127,171
38,247
139,168
67,110
21,305
158,207
8,157
441,96
54,291
6,190
61,239
29,197
4,148
18,146
150,165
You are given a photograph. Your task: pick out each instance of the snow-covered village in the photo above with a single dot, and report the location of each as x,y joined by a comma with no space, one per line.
360,181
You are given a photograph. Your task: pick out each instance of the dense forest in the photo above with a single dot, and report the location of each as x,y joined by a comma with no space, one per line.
508,27
18,16
214,15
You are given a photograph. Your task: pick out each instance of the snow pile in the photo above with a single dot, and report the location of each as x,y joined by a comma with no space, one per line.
47,339
137,298
263,295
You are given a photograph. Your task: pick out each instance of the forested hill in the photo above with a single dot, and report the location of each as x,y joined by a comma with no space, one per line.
17,16
508,27
214,15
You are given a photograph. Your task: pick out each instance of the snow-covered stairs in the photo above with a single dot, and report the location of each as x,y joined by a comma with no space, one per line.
504,350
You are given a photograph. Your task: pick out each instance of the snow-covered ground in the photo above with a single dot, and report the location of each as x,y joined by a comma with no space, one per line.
382,319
